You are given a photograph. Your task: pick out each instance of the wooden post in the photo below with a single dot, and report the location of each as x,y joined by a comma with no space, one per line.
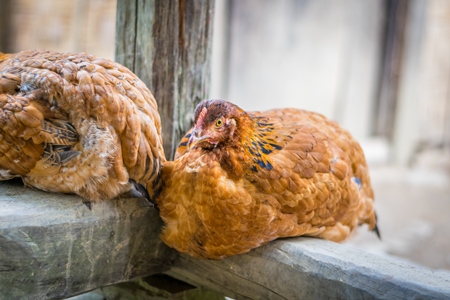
396,12
6,28
405,134
167,44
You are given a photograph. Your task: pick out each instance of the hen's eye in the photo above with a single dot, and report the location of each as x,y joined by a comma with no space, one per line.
219,123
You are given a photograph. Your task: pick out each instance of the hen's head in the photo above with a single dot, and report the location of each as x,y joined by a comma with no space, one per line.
215,124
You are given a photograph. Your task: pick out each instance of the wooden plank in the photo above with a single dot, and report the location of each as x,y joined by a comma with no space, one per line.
6,26
164,64
359,66
396,11
168,44
155,287
313,54
307,268
434,98
423,112
405,138
53,246
125,32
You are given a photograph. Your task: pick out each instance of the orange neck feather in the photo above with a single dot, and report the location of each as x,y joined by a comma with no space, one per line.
249,150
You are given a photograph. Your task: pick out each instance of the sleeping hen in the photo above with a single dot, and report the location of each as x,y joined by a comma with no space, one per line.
74,123
243,179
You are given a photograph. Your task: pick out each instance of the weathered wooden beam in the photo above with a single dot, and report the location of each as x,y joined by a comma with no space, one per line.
167,43
6,26
53,246
385,103
155,287
307,268
406,132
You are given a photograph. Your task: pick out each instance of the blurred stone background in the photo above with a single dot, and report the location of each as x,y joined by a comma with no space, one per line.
380,68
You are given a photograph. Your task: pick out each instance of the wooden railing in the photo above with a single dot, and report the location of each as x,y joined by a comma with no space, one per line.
53,246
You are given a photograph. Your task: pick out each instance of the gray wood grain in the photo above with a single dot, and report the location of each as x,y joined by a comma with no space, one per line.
307,268
6,28
125,45
167,44
53,246
405,140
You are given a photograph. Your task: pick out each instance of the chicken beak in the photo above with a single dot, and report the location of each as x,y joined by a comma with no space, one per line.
195,139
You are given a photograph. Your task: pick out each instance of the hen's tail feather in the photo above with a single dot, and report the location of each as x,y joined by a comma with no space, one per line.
377,232
375,229
88,204
138,191
67,156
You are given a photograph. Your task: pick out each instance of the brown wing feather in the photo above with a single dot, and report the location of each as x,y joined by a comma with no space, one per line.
317,160
18,119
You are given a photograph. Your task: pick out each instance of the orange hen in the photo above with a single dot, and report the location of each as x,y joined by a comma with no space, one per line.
243,179
75,123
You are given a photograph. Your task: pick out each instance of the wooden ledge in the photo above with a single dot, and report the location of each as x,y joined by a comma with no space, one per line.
308,268
53,246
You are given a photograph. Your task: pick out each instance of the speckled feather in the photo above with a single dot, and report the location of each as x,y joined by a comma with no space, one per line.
75,123
279,173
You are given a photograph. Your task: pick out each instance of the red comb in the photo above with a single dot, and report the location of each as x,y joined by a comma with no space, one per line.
201,116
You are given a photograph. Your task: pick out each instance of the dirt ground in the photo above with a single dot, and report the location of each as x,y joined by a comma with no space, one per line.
413,208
